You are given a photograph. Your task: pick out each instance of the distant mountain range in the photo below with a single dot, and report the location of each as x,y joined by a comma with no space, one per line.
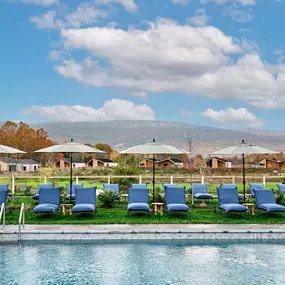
122,134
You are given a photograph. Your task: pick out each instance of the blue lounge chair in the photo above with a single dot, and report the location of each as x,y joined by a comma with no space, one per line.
169,185
73,190
265,200
233,186
200,191
49,200
42,185
228,200
85,200
175,199
281,188
138,200
114,188
253,186
139,186
3,194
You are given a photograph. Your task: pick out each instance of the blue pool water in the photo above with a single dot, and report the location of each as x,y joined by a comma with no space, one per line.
142,263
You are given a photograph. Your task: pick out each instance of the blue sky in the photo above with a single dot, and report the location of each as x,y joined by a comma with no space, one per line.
211,62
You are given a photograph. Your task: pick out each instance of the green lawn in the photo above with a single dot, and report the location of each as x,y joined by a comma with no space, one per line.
119,215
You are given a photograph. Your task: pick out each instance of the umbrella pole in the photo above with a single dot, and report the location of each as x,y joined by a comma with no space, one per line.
243,180
153,176
70,181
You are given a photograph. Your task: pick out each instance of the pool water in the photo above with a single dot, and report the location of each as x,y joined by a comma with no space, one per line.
142,263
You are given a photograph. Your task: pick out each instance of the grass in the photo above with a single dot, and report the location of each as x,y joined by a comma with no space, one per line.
118,215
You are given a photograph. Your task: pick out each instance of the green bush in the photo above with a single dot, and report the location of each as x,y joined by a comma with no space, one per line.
280,198
108,199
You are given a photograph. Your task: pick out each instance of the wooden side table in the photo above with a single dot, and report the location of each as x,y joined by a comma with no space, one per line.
124,197
155,206
251,207
64,209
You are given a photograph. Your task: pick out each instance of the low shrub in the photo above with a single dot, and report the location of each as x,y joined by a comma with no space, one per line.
108,199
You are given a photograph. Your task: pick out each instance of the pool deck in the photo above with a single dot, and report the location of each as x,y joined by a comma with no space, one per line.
143,232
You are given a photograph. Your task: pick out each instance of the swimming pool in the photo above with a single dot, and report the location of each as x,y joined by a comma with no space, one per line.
142,263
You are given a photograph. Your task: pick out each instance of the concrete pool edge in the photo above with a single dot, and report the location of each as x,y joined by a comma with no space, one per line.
142,232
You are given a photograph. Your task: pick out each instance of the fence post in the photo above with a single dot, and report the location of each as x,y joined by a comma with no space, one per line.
264,180
202,179
171,179
77,181
13,188
45,180
140,179
109,179
233,179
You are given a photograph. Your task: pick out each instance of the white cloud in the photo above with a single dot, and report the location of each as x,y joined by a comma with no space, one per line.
238,117
114,109
200,18
168,57
47,21
85,14
237,14
186,113
222,2
130,5
40,2
181,2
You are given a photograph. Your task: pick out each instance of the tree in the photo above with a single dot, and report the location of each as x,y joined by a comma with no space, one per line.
22,136
105,147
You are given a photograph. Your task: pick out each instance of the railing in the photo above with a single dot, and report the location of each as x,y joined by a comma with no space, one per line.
21,220
2,214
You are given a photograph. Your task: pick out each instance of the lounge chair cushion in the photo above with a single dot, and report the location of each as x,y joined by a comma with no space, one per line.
281,188
139,186
83,208
45,208
36,196
138,207
203,196
253,187
271,207
232,207
177,207
72,196
114,188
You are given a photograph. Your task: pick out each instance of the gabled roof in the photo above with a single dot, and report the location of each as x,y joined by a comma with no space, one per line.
172,159
218,158
74,160
18,161
273,160
105,160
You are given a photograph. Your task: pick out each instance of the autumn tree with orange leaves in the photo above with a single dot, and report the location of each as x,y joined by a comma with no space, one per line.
22,136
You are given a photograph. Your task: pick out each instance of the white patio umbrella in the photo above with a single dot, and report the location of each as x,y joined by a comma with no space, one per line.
9,150
242,149
153,148
70,148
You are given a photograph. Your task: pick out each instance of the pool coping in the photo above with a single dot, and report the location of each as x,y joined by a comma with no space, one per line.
144,232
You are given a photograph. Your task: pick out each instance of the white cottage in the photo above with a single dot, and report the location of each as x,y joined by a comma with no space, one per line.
19,165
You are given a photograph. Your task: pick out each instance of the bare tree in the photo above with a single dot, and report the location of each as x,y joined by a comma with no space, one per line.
190,157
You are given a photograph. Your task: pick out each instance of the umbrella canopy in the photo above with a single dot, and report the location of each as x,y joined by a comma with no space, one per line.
242,149
154,148
70,148
11,150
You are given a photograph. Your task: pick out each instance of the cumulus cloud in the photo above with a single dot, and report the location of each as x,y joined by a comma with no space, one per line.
238,117
181,2
40,2
85,14
200,18
168,57
130,5
114,109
